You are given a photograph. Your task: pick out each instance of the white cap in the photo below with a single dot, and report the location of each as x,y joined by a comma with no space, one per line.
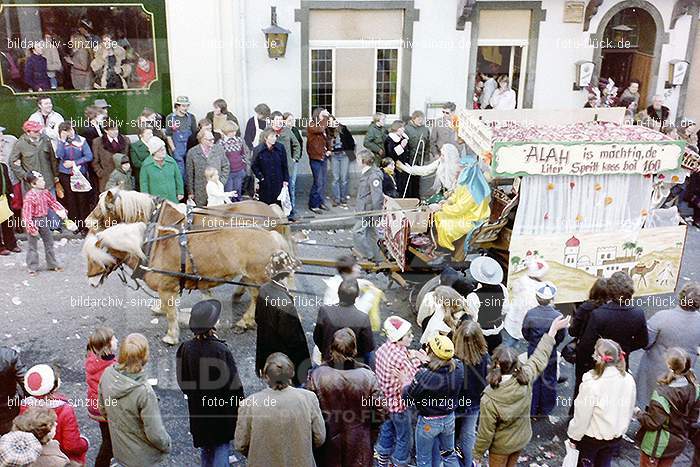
155,144
396,328
39,380
547,291
537,267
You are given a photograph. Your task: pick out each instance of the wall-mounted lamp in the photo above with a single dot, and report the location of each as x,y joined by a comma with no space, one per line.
677,69
275,37
584,74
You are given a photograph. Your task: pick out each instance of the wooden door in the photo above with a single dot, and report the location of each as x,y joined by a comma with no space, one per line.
641,70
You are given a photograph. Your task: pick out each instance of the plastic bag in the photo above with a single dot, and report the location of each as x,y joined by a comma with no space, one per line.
285,200
78,182
571,458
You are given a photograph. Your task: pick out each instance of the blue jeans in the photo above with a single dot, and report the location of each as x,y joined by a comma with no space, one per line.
235,183
395,438
215,456
467,435
436,430
318,188
293,169
508,340
340,164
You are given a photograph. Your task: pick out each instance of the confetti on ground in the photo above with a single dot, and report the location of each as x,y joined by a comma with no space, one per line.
16,301
54,321
25,282
154,321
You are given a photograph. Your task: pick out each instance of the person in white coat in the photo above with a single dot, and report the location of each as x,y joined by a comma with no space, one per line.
604,406
504,97
523,298
216,196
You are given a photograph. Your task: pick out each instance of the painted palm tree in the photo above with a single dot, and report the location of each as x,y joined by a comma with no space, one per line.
638,251
627,247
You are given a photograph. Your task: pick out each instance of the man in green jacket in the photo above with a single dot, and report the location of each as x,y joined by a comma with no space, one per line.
376,134
138,152
160,175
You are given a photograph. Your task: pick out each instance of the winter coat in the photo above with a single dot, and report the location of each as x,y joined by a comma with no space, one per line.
68,435
291,145
103,160
280,428
394,149
317,142
35,73
504,415
665,424
389,185
135,426
660,116
77,151
416,134
164,181
80,72
536,324
374,139
95,366
442,133
138,153
345,395
625,324
435,393
236,152
50,125
51,456
271,169
667,329
280,330
206,371
345,140
474,384
11,377
579,321
118,177
250,136
604,406
369,191
332,318
38,156
197,163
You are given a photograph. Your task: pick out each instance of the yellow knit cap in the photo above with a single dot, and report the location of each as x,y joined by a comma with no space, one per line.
442,347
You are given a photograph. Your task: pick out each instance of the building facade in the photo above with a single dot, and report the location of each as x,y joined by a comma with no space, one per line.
357,57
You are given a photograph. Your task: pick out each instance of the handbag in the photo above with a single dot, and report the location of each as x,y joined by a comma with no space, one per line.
78,182
285,200
571,457
5,211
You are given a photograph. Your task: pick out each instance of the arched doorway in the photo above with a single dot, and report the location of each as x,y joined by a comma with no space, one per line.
628,46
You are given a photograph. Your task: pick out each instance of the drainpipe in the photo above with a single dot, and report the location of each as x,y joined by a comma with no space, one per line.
244,64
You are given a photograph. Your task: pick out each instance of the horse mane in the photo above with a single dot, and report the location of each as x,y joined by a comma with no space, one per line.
134,206
126,238
95,253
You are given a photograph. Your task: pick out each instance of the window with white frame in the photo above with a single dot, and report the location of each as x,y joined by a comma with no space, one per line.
322,79
353,80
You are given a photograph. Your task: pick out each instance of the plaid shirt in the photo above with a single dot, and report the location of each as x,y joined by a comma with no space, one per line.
36,205
391,357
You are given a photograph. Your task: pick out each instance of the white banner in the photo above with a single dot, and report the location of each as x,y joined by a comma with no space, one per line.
575,158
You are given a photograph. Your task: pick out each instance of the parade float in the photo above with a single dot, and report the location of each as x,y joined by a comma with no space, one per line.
582,191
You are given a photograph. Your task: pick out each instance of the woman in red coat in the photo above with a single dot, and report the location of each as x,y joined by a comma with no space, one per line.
41,382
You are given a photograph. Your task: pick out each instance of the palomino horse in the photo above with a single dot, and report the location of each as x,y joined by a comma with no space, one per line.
123,206
223,253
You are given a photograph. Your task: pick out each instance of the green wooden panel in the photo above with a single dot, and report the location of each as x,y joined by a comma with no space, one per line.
127,104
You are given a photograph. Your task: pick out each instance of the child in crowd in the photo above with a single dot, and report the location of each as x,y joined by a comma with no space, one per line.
216,196
504,419
435,391
235,150
535,325
37,202
389,183
101,351
604,406
664,424
121,175
394,364
42,423
42,382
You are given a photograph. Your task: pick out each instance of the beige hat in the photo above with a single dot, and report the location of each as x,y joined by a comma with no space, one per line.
155,144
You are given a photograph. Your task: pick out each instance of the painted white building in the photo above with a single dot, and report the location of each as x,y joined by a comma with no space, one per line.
357,57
